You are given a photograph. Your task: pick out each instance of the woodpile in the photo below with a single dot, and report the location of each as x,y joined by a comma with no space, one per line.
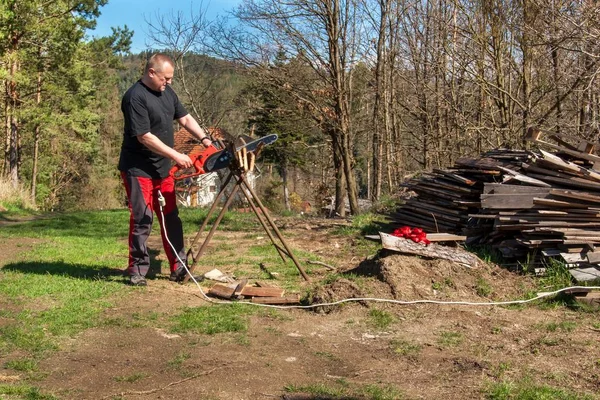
534,204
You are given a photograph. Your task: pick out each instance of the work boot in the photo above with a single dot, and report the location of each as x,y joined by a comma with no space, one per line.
138,280
179,275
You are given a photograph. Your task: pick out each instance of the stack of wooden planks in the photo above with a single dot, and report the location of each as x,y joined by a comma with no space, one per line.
524,203
445,197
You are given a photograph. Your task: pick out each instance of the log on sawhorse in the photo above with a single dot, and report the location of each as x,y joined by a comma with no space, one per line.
241,184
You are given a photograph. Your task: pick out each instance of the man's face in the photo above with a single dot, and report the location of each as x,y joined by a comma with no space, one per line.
161,78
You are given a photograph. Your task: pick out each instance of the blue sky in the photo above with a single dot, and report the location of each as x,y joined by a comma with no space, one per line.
134,12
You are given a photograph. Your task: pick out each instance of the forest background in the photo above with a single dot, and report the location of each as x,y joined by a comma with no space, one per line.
362,93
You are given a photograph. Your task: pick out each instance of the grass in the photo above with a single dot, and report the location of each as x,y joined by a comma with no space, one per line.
450,339
24,392
15,202
565,326
22,365
380,319
405,348
342,390
525,389
212,320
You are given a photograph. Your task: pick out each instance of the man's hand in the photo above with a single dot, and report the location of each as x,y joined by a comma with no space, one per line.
183,160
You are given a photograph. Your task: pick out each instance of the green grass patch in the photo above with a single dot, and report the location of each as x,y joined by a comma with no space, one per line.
564,326
342,390
212,320
380,319
24,392
318,389
177,361
130,378
557,276
22,365
450,339
405,348
525,389
483,287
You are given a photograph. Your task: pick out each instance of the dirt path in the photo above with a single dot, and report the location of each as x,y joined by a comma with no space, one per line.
424,352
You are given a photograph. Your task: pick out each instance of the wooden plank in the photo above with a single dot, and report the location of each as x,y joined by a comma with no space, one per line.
576,195
479,163
504,188
265,284
250,291
433,250
507,201
514,175
423,221
557,203
443,237
437,215
574,153
585,274
455,177
223,291
593,257
538,168
291,299
240,286
438,191
569,182
477,171
428,206
573,258
560,163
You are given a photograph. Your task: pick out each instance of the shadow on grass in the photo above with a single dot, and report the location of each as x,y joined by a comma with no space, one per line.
81,224
80,271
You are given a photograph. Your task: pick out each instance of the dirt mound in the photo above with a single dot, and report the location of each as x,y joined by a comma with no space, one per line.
340,289
414,278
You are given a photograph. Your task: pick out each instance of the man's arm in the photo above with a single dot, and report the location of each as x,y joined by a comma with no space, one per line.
156,145
194,128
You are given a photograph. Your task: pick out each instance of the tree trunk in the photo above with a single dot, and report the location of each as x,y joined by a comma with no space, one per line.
379,101
36,142
340,181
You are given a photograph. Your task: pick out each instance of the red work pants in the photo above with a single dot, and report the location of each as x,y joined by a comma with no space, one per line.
142,194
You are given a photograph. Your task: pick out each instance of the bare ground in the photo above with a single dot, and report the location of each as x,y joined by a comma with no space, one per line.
428,352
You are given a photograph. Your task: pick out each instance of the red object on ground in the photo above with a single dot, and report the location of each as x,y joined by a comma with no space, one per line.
415,234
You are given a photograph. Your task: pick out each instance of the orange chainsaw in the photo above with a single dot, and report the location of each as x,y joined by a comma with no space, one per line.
198,157
212,159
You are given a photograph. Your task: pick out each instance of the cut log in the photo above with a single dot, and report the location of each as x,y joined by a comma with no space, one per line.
433,250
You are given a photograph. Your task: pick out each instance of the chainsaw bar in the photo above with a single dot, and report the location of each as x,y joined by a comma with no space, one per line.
223,158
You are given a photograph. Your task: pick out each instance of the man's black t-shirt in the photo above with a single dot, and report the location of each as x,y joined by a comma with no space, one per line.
146,110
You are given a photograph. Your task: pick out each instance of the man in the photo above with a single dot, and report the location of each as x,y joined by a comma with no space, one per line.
149,108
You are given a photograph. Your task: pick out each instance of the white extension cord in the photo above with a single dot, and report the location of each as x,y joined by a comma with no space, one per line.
161,202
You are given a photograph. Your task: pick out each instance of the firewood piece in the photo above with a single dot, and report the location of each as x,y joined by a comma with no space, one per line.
251,291
263,284
432,251
252,159
223,291
240,287
291,299
245,159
